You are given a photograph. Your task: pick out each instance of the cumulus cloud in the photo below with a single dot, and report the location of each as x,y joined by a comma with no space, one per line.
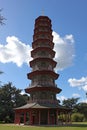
80,83
18,52
65,51
84,101
14,51
75,95
61,98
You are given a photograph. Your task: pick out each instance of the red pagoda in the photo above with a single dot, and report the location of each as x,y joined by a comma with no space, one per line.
43,107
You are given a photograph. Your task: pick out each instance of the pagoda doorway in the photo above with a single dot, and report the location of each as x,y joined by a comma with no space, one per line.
43,117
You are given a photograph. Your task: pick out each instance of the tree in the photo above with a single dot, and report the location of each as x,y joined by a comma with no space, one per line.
79,112
86,94
1,18
77,117
1,72
82,108
10,97
70,102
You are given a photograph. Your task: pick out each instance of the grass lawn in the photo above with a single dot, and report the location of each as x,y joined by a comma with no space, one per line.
79,126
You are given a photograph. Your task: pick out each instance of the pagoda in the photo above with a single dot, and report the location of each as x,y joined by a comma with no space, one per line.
43,108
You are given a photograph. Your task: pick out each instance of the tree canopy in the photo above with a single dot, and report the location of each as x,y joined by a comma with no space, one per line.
1,72
1,18
70,102
10,97
79,109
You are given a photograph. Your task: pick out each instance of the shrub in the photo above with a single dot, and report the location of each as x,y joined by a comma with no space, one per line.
7,119
77,117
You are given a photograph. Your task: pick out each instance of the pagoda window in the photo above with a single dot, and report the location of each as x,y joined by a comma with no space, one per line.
43,44
34,81
50,67
41,29
43,78
43,53
34,97
35,68
52,96
43,64
43,95
42,36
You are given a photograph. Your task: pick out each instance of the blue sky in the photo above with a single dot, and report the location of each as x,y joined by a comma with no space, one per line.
69,24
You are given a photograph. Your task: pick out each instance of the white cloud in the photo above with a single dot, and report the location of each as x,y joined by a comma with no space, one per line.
80,83
65,51
75,95
14,51
85,87
84,101
61,98
18,52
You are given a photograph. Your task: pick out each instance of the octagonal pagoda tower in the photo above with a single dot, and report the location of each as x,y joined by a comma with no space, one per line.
43,106
43,76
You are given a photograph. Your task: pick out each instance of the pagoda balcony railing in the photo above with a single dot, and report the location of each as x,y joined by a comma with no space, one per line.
42,56
41,37
43,45
42,68
42,84
44,101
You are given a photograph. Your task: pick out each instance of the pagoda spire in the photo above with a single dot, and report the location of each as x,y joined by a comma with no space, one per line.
42,13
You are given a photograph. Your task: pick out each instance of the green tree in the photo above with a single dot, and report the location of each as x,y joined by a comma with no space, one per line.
79,110
82,108
77,117
70,102
1,72
1,18
10,97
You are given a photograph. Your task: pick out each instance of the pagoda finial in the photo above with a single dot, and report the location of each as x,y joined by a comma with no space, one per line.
42,12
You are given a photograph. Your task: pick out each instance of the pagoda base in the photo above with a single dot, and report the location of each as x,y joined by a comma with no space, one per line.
42,114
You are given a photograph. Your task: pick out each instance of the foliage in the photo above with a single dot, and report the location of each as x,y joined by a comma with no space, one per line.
1,72
82,108
70,103
77,117
1,18
76,107
10,97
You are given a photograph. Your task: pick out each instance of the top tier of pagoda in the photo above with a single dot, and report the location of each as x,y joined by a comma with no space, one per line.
42,76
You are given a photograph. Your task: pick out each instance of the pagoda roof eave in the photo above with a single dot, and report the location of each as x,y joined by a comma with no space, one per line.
43,40
36,88
43,48
42,72
41,17
44,59
37,105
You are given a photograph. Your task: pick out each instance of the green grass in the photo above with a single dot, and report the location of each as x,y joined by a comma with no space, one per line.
75,126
